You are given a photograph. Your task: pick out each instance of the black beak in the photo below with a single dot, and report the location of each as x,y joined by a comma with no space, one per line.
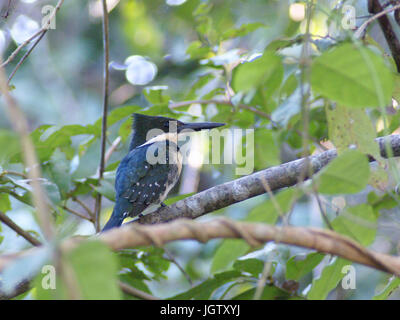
197,126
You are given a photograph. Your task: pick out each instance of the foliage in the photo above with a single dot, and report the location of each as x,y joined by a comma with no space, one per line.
246,64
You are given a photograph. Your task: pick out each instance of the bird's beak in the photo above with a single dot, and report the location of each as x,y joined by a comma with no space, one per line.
197,126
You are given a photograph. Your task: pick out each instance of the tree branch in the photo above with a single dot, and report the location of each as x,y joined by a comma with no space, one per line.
282,176
20,62
12,225
376,8
78,214
20,289
35,35
254,234
106,47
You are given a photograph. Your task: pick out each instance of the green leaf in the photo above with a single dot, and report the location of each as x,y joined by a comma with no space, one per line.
47,138
270,292
136,283
204,290
106,188
396,87
197,50
1,237
349,126
242,30
5,204
9,145
125,129
353,76
231,249
172,200
58,171
52,191
263,140
289,86
156,94
329,279
202,9
17,271
227,252
252,266
95,270
151,258
288,108
116,115
267,211
126,262
250,75
358,222
300,265
393,284
348,173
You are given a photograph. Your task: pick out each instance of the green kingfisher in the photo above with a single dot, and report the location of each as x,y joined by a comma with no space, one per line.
152,167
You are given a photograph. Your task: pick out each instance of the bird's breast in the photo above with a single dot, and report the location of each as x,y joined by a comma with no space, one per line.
175,168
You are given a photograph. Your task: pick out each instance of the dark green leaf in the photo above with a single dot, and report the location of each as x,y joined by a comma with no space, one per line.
300,265
358,77
329,279
349,173
250,75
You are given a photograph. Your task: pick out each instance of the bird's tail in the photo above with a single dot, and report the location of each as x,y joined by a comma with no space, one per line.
116,220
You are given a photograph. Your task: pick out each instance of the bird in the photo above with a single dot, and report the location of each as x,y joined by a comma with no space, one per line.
152,166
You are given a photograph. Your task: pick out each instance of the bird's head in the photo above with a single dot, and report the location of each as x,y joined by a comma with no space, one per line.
146,127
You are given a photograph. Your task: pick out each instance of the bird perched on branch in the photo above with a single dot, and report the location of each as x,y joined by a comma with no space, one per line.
152,167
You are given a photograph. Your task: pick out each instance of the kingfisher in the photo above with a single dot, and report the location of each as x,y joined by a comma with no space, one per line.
152,167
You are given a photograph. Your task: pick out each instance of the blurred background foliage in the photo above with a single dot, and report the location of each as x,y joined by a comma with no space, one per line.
244,58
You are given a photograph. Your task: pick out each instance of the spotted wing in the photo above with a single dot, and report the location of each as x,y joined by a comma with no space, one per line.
140,182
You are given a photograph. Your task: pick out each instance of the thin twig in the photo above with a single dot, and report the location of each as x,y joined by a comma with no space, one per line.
13,173
5,16
12,225
106,47
267,265
77,213
365,24
25,56
375,7
84,206
110,151
263,280
173,260
19,48
321,209
136,292
36,34
112,148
